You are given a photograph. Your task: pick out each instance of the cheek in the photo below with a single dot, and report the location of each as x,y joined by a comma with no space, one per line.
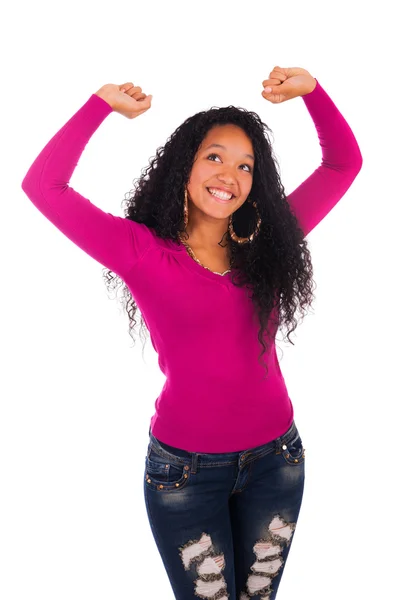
249,185
201,174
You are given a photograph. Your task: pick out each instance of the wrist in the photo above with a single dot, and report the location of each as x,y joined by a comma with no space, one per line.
313,85
105,95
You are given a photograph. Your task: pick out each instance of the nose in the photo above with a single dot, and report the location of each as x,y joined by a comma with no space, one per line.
227,176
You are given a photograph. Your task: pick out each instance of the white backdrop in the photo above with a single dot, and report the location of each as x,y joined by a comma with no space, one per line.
77,397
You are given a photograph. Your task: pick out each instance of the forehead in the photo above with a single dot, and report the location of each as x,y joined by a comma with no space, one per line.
228,132
228,138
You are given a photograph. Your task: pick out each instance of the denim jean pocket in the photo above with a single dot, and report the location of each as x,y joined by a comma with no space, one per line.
293,450
164,475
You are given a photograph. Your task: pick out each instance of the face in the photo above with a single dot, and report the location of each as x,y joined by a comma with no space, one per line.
229,167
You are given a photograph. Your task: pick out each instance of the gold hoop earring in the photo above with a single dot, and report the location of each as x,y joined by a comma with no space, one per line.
240,240
185,210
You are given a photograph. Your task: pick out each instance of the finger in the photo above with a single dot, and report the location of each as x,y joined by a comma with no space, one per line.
145,102
273,81
275,78
130,89
134,90
280,70
125,86
138,95
278,75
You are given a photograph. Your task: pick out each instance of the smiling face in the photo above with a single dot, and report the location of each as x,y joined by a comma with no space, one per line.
229,168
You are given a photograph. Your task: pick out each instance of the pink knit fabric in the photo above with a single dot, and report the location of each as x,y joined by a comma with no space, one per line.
216,397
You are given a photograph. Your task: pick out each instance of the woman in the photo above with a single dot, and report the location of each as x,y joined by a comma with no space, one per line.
214,254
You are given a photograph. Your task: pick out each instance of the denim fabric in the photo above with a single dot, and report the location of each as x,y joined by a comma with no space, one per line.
224,523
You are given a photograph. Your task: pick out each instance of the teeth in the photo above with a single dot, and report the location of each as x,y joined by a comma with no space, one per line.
219,194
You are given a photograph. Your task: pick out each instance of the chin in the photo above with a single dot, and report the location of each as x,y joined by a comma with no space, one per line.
222,212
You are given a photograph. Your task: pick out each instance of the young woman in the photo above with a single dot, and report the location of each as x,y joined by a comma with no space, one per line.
214,255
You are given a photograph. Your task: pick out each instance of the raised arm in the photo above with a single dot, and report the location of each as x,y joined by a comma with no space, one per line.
115,242
313,199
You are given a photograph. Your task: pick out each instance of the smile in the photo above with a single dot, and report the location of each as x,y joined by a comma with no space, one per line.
221,197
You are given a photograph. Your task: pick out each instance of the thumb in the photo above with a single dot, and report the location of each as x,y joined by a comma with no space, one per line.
146,100
281,88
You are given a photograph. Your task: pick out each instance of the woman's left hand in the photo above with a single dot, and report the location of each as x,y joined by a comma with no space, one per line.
288,83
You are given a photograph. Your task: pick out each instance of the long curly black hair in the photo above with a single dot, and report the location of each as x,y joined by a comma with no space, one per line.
276,266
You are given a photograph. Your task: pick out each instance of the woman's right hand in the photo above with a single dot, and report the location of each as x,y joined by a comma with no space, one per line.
126,99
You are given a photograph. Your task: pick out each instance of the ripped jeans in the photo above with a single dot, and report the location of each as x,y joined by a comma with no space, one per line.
223,523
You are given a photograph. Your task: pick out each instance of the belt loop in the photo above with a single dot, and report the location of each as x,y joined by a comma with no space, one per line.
194,463
278,449
149,444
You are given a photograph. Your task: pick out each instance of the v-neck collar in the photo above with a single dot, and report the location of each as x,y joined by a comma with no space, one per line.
196,267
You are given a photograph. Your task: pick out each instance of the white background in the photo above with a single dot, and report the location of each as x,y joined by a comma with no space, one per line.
77,397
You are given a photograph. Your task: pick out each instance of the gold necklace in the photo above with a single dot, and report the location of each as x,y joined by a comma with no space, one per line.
192,255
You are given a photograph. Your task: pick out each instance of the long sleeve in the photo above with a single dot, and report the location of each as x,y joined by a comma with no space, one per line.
313,199
113,241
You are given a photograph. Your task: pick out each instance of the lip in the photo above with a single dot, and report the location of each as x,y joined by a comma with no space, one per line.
222,190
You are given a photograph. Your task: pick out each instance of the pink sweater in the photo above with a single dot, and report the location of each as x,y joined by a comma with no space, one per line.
215,398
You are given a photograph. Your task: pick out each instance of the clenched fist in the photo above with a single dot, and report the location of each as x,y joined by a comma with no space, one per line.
285,84
126,99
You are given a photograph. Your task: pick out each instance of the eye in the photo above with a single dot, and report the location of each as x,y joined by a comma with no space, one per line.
244,165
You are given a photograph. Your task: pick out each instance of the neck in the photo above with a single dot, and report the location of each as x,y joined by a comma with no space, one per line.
207,238
206,232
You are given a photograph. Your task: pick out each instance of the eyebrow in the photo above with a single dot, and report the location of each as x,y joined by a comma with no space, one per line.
223,147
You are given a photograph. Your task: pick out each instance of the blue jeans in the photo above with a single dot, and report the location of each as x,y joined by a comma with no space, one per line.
223,523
